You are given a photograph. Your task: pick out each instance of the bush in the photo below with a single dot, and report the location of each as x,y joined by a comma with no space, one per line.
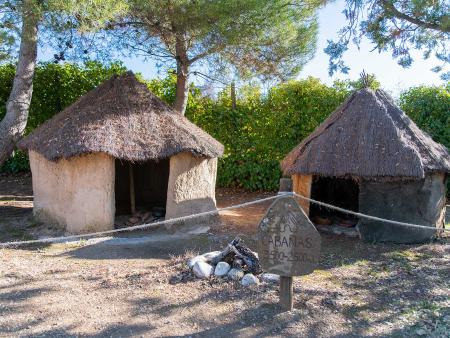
18,162
257,134
264,128
429,108
55,87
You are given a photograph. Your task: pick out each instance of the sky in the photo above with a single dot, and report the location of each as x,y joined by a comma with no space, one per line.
392,77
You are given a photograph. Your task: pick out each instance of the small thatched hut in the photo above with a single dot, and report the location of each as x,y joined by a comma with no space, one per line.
87,160
368,156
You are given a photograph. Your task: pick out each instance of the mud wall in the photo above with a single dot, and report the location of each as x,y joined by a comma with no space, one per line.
191,188
77,193
420,202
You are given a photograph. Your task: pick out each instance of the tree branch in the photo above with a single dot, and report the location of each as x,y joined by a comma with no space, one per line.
388,6
207,52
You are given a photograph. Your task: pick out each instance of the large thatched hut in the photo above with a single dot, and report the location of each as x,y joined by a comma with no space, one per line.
117,148
368,156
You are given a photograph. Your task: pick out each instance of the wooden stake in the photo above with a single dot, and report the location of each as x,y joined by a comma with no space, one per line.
285,185
132,195
286,288
286,293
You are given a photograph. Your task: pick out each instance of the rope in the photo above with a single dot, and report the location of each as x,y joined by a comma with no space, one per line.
137,227
212,212
360,215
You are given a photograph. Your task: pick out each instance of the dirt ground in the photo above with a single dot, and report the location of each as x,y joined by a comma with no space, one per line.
127,285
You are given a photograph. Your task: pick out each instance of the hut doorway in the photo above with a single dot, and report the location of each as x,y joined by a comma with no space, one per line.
141,186
341,192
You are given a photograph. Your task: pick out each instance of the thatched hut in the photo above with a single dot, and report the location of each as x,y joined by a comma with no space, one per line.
368,156
117,148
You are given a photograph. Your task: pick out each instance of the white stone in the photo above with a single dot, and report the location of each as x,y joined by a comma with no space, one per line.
222,269
235,274
270,277
249,279
210,255
191,262
202,269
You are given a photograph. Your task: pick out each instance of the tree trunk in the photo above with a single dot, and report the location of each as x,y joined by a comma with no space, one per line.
182,92
17,107
233,95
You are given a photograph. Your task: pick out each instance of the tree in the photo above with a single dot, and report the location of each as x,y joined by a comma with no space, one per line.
44,16
398,26
365,80
429,108
267,38
14,122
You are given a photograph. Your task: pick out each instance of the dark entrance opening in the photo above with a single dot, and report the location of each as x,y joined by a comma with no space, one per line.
150,186
340,192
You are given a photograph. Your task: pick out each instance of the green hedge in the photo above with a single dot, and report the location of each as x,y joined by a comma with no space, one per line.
55,87
429,107
263,128
257,134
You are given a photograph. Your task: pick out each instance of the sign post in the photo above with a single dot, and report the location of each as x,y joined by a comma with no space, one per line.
288,243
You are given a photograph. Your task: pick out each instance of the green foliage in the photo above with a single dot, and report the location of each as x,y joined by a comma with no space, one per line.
429,108
18,162
55,88
256,37
165,89
67,26
398,26
262,129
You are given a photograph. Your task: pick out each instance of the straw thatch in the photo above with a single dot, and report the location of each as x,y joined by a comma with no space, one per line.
368,136
124,119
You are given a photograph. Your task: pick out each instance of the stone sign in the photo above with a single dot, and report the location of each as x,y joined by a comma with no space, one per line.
288,243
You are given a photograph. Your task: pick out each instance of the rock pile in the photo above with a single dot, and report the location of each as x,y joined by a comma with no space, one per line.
236,262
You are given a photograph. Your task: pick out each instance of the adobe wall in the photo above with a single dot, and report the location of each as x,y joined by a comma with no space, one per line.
77,193
191,188
419,202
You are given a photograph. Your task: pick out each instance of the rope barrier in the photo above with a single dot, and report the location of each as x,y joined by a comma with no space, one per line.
360,215
207,213
137,227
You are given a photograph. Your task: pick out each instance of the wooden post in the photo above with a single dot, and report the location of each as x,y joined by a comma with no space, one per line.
286,293
132,195
282,232
286,282
285,185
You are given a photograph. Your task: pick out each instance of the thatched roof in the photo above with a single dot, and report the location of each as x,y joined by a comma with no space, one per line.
368,136
122,118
